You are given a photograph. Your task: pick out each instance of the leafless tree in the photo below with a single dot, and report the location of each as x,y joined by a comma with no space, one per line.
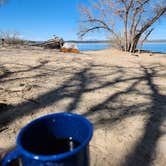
127,20
11,37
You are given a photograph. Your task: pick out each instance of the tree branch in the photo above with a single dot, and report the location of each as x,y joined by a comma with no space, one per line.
144,39
104,26
136,11
153,20
84,32
146,36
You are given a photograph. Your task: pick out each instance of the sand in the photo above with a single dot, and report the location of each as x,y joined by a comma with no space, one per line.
123,95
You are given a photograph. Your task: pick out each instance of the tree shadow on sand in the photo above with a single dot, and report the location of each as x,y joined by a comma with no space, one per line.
142,154
145,148
81,82
72,88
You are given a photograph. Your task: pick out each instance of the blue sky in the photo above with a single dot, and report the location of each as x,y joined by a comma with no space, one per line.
41,19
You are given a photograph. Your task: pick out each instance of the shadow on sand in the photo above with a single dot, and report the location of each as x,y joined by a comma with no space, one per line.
79,84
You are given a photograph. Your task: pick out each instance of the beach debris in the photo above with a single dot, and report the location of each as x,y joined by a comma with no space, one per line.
55,43
70,47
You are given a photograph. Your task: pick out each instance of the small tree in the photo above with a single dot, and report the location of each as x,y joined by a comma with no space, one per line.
11,37
136,18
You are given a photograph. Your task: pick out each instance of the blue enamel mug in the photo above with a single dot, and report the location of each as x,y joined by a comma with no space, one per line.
60,139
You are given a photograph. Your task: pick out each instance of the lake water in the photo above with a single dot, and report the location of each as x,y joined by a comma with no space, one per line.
93,46
155,47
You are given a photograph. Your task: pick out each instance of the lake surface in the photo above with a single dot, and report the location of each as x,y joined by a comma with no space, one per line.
93,46
155,47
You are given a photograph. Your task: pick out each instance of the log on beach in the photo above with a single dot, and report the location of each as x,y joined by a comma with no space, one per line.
55,43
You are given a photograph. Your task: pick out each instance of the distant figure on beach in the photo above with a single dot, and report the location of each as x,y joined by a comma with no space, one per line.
3,41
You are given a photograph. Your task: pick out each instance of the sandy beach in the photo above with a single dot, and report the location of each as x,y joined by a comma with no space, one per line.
123,95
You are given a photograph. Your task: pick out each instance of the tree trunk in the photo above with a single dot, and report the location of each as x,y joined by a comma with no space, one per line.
125,35
125,31
129,46
134,43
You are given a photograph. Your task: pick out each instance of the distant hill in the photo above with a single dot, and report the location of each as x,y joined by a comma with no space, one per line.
89,41
110,41
103,41
157,41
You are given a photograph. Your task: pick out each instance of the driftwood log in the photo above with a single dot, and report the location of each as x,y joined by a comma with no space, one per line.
55,43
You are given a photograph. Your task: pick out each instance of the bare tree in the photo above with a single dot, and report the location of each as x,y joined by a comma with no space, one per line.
145,38
126,20
11,37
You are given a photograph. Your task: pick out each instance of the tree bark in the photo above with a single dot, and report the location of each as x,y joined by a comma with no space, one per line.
144,28
134,43
125,31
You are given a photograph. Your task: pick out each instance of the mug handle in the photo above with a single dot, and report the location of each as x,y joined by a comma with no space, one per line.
14,154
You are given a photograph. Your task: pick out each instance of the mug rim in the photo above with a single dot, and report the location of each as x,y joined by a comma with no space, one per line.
57,156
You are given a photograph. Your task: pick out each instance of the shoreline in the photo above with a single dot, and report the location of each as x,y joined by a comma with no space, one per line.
123,52
143,51
107,47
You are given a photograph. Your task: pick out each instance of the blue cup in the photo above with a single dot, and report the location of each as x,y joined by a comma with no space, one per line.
35,140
